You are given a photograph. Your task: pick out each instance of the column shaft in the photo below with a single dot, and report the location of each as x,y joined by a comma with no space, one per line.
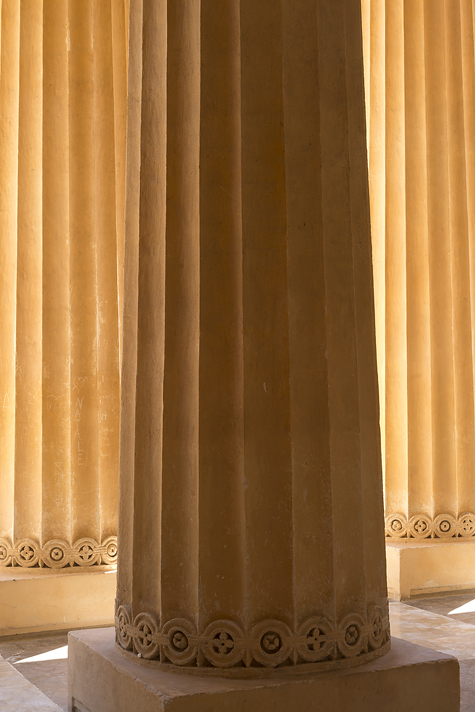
428,367
62,157
250,493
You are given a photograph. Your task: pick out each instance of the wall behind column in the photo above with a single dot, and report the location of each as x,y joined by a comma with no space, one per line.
62,168
421,121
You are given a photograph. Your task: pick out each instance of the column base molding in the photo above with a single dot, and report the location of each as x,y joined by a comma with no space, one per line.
270,646
429,567
421,526
56,553
35,600
408,677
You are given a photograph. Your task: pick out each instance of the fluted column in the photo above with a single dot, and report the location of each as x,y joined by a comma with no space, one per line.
250,516
62,145
421,118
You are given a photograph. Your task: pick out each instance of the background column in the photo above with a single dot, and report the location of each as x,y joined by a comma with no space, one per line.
421,119
63,97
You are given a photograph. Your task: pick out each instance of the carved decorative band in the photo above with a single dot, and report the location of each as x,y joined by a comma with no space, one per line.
56,553
420,526
268,644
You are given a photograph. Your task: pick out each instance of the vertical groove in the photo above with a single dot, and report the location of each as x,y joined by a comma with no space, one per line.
105,178
9,101
180,583
460,270
56,476
267,437
221,558
127,484
396,446
442,371
377,186
417,265
83,265
151,316
369,457
28,386
308,365
466,489
119,19
343,396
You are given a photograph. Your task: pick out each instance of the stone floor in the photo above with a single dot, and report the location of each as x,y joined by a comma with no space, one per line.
33,669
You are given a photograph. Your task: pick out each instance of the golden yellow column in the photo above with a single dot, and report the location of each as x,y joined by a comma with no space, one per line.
421,122
62,177
251,520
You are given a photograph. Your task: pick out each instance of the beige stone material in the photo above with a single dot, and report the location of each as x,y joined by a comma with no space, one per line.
62,159
420,71
251,501
34,600
410,677
423,568
16,693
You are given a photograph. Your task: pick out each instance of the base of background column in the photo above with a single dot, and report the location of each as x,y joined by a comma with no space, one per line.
408,678
33,600
431,567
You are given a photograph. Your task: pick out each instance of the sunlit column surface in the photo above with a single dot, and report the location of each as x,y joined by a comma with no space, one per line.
421,120
62,177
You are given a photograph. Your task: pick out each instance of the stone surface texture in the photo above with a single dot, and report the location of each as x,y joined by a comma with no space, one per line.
430,567
251,521
45,599
420,69
408,678
62,158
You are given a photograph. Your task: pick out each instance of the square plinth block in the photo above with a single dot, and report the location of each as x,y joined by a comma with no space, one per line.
431,567
409,678
34,600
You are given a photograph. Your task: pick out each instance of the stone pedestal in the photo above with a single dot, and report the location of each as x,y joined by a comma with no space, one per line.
418,569
409,678
34,600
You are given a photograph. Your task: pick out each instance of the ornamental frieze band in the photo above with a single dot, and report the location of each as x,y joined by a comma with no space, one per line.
57,553
421,526
318,644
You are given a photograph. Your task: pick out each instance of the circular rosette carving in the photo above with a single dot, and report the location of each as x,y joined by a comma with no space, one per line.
271,642
466,524
445,526
181,645
122,628
109,555
396,526
85,552
420,526
55,554
27,553
353,636
224,644
317,639
5,555
146,636
377,629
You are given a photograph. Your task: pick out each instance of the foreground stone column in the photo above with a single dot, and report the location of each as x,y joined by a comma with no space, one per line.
62,148
421,119
250,508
